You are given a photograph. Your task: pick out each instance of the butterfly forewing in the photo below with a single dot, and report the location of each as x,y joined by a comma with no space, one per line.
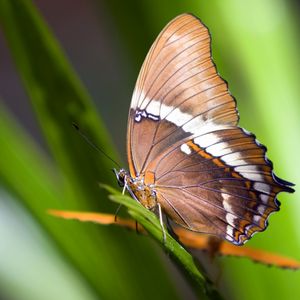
209,175
178,87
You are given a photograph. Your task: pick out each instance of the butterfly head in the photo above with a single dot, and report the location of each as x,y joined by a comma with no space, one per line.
121,176
143,193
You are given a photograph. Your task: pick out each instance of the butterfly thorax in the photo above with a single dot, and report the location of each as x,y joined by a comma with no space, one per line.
143,193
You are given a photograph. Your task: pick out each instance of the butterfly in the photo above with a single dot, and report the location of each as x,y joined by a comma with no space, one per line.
187,155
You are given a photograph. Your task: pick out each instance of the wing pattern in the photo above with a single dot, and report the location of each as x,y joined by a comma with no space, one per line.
178,86
209,174
225,187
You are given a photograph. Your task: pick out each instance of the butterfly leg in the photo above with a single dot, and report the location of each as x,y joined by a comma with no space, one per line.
161,223
123,193
117,211
124,188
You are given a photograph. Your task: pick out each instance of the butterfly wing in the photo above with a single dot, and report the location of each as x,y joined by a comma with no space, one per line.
221,184
210,175
178,87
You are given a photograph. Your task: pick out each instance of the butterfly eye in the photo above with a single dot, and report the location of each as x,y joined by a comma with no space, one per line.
120,176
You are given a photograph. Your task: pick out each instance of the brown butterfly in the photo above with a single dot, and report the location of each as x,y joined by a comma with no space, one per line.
186,154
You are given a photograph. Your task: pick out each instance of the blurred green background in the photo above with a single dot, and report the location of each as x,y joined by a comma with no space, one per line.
44,164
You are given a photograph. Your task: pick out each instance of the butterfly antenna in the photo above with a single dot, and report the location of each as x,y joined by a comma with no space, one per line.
87,139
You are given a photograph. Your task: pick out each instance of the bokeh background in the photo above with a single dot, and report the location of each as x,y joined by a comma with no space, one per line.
256,48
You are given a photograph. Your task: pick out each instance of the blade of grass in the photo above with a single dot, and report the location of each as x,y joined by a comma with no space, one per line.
151,223
29,175
24,249
188,238
59,99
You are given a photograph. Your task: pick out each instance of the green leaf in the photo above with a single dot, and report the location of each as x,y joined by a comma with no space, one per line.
102,255
29,175
151,223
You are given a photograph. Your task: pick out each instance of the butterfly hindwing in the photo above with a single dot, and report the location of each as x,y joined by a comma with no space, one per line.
221,184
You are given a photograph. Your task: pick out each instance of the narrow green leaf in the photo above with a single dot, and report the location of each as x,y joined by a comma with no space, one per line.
151,223
28,174
102,255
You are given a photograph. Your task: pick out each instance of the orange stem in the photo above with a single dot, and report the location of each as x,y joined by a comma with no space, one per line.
188,238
